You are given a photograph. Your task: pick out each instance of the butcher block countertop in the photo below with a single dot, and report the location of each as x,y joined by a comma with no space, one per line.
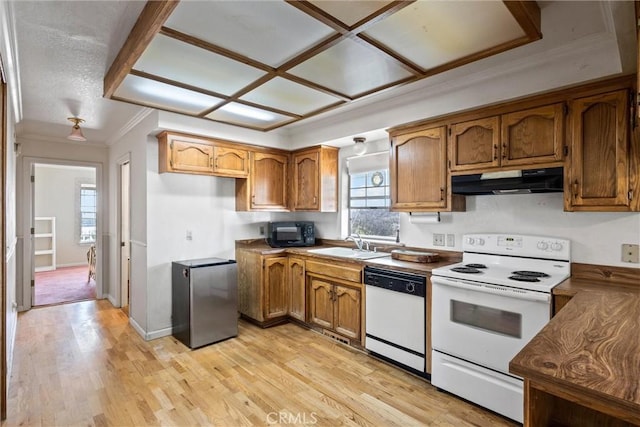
587,357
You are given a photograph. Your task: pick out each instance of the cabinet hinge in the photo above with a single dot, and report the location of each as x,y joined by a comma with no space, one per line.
449,131
630,194
449,164
566,150
565,109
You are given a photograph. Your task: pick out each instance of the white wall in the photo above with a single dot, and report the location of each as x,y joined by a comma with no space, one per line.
595,236
56,195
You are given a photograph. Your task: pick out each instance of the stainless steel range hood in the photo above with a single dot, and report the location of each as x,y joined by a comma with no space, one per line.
545,180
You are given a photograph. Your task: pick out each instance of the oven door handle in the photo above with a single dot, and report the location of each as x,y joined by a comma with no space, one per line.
493,289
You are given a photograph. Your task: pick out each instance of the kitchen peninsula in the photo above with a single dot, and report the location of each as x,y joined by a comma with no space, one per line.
583,368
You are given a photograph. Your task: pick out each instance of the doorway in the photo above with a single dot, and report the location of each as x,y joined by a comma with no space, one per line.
64,231
125,236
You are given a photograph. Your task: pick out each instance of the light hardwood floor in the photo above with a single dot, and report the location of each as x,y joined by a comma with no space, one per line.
82,364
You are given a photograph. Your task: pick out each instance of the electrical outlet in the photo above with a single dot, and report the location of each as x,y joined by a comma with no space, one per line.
630,253
438,239
262,230
451,240
189,235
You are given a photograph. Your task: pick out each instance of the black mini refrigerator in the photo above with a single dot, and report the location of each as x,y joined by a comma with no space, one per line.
204,307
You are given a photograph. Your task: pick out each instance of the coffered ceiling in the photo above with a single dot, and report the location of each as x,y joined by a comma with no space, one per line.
266,64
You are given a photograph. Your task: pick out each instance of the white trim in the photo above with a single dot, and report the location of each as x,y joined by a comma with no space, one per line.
10,57
138,243
136,327
158,334
135,120
11,250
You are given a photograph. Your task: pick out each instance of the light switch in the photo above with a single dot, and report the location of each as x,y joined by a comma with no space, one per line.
189,235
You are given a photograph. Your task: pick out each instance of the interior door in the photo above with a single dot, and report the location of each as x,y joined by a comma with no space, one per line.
125,235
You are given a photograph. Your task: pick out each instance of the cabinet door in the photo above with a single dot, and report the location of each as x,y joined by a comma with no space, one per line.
306,177
297,292
320,302
231,162
598,176
533,136
191,157
268,179
275,287
347,314
475,144
418,170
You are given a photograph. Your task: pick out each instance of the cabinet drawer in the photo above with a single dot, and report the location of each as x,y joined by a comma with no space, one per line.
340,271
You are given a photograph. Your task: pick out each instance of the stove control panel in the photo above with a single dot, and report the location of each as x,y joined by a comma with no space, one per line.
518,245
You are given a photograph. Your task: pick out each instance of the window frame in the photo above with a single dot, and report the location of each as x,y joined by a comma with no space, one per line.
79,212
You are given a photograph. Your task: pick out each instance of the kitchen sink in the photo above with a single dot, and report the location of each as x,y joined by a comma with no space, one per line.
348,253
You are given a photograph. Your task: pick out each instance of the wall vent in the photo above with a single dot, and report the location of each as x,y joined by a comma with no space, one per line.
336,337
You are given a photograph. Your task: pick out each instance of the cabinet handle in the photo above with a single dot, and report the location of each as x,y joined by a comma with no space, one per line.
441,193
331,295
315,200
575,189
495,152
504,151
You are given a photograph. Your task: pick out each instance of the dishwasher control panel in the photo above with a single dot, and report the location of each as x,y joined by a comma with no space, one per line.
396,281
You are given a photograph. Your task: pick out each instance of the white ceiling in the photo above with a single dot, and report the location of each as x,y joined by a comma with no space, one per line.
64,49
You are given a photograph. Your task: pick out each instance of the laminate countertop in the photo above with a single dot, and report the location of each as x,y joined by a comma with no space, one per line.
589,353
446,257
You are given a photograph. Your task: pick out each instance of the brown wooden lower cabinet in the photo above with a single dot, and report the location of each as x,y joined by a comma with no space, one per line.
297,285
263,292
546,406
335,306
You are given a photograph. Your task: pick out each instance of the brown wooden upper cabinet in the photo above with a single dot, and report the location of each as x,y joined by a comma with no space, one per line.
531,137
598,175
266,187
184,154
231,162
314,186
418,168
190,154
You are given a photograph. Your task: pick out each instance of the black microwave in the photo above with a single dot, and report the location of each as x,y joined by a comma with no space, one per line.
283,234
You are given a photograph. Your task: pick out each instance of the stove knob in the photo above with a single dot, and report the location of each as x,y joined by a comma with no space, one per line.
471,240
411,287
543,246
480,241
556,246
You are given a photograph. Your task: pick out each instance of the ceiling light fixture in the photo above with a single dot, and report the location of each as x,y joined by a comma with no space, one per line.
76,132
359,148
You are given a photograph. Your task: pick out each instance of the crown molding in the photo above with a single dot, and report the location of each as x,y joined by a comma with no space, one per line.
9,53
133,122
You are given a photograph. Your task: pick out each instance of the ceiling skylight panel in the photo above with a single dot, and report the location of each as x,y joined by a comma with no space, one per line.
351,68
283,94
350,12
270,32
160,95
245,115
185,63
432,33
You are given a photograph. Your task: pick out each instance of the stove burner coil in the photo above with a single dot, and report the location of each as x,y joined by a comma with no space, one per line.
530,273
466,270
475,265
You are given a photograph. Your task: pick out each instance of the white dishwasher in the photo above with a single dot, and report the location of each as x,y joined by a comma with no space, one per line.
395,307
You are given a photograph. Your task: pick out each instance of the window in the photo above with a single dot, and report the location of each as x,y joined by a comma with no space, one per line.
369,199
88,211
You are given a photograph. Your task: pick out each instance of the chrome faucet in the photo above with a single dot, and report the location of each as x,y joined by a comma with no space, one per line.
355,238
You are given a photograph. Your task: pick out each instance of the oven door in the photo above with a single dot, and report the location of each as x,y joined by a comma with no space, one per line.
485,324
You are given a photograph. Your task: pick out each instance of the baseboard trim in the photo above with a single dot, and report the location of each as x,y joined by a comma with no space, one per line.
148,336
112,300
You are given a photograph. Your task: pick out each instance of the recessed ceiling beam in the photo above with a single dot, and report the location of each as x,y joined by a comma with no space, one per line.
527,13
150,21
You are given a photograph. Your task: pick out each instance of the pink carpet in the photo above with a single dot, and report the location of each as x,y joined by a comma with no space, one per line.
66,284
